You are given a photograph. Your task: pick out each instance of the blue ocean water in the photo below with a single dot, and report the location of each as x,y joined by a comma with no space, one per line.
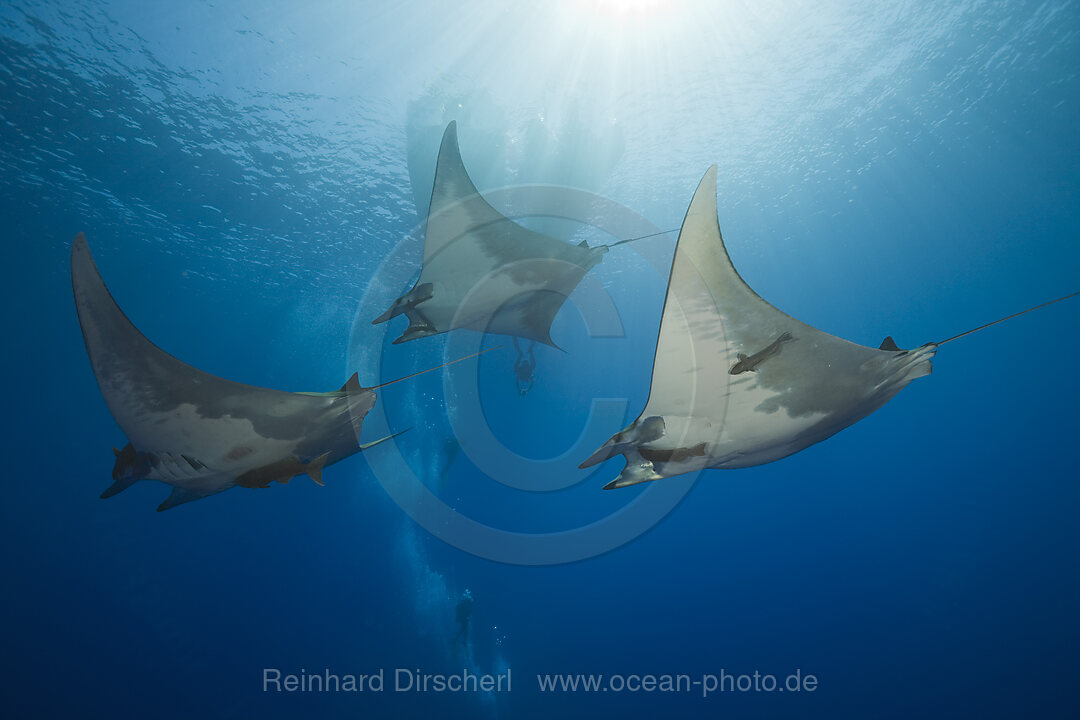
251,177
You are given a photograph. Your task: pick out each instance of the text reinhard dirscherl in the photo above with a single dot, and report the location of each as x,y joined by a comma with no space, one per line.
417,681
401,680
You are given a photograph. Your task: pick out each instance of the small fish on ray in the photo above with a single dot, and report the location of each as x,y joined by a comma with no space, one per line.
199,433
749,363
738,383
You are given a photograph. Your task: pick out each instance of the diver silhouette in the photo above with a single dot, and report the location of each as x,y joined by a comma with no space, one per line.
462,614
524,367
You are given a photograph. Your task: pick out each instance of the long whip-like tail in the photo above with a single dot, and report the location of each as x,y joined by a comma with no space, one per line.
641,237
431,369
1010,317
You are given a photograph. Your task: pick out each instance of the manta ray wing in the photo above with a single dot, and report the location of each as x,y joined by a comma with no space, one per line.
735,381
193,430
482,270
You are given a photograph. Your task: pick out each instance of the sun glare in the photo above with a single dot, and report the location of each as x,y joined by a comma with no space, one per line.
629,7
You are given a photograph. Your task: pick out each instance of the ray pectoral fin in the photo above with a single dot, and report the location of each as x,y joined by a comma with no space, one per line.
709,314
485,271
184,414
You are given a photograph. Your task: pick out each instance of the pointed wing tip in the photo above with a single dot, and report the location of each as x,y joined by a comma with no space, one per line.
707,184
551,344
709,178
449,137
79,248
85,276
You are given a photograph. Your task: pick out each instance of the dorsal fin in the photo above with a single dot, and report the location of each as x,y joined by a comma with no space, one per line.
352,383
888,344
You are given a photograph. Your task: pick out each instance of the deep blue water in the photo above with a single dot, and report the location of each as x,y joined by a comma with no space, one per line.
249,176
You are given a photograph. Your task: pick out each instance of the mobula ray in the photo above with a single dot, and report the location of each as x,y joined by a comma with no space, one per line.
738,383
483,271
196,432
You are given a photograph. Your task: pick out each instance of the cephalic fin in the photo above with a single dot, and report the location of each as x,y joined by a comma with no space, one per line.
408,302
638,470
419,326
119,486
609,450
179,496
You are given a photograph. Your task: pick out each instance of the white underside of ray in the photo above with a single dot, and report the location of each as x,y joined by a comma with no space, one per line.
802,385
204,431
227,447
485,271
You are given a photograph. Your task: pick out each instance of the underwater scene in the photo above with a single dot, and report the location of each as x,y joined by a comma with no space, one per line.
575,359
